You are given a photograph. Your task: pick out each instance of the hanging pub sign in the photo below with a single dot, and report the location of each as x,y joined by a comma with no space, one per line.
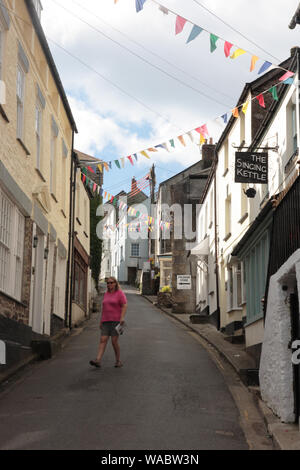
251,167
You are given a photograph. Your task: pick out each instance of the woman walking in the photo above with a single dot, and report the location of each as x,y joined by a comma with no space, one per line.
114,307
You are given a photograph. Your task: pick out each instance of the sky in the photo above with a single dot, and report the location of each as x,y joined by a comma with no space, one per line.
132,83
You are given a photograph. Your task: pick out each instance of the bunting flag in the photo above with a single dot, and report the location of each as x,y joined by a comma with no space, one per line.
164,10
245,107
151,149
123,162
237,53
118,164
130,159
202,139
213,41
225,118
227,48
110,165
261,100
286,76
105,166
90,169
181,139
190,136
135,156
203,130
172,143
289,81
100,168
180,22
145,154
264,67
235,112
194,33
139,4
160,146
253,62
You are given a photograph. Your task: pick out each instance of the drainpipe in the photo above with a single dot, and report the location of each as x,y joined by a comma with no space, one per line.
216,243
69,286
73,234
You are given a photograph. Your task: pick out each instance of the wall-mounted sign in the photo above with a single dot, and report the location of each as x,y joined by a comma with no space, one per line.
251,167
184,281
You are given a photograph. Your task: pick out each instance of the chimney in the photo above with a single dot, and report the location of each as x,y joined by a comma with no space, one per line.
208,153
133,184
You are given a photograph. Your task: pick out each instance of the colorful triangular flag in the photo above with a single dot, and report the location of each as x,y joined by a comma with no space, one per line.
145,154
245,107
194,33
286,76
227,48
213,41
118,164
139,4
181,139
253,62
180,22
264,67
261,100
235,112
237,53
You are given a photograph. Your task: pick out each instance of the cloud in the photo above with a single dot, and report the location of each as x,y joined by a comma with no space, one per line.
111,121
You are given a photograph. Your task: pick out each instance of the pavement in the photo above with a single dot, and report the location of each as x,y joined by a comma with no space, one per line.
284,436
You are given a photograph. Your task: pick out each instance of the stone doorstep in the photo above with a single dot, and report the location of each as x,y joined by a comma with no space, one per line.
284,436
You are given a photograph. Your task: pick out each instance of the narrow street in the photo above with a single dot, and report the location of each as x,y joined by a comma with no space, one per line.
169,394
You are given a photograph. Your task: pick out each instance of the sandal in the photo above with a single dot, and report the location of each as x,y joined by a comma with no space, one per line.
95,363
118,364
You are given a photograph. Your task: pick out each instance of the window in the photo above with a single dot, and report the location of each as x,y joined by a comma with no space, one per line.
80,281
4,26
135,249
64,185
53,150
294,128
39,106
12,232
234,287
20,101
228,217
211,204
38,134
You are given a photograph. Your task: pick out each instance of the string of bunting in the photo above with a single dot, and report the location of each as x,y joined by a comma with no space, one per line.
203,131
213,38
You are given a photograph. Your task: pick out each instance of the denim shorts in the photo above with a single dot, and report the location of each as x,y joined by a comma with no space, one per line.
109,328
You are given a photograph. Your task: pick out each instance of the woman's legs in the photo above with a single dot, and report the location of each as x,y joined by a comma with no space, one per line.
102,346
115,343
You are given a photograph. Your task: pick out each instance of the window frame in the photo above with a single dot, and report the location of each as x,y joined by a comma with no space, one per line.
14,247
132,250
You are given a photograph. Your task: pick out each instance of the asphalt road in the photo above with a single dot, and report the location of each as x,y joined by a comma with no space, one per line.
169,395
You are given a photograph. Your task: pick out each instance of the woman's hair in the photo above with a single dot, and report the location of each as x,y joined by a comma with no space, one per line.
115,280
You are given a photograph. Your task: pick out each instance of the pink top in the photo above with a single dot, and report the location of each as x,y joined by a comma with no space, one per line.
112,305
